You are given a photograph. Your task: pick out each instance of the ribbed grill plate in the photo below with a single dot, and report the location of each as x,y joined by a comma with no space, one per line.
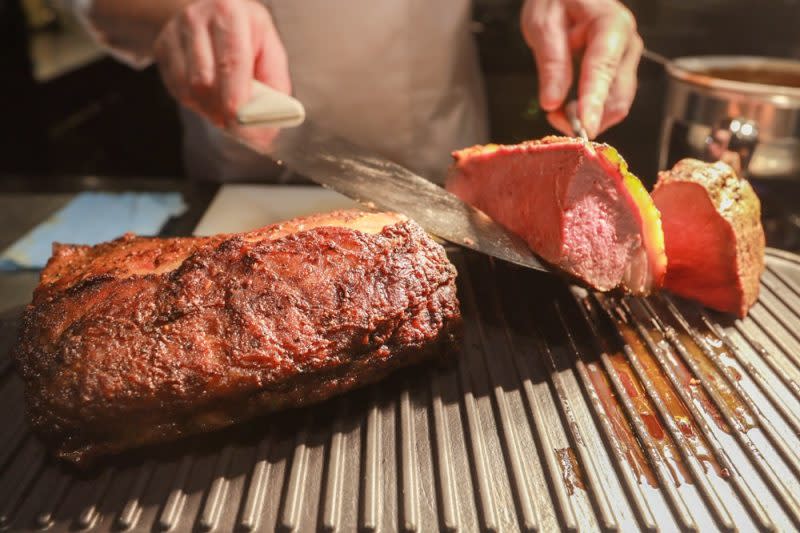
566,410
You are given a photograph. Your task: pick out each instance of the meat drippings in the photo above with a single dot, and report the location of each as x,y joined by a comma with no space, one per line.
733,403
571,473
689,436
629,445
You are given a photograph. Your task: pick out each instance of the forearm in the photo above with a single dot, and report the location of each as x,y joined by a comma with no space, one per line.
132,25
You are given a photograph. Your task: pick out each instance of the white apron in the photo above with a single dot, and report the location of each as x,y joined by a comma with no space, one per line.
398,76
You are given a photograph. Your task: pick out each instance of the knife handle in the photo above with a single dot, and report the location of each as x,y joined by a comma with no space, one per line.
268,107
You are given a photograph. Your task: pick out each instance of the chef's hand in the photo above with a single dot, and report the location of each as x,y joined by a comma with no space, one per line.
605,31
210,50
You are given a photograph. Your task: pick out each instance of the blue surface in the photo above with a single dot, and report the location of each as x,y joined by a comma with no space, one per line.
91,218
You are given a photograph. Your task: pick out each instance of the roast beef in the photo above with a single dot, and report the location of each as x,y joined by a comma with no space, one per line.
714,239
142,340
575,204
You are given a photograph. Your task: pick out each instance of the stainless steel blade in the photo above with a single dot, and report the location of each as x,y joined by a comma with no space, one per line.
571,110
380,184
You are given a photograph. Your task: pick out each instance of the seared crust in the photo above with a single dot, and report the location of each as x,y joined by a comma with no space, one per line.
737,203
478,149
144,340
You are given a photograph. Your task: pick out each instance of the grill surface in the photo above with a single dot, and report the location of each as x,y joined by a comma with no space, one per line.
566,410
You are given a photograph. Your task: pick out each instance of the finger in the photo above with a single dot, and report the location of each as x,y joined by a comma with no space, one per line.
196,45
199,58
607,41
577,36
169,57
623,89
271,63
544,25
233,57
559,121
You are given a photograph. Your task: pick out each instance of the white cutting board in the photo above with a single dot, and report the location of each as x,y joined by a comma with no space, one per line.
245,207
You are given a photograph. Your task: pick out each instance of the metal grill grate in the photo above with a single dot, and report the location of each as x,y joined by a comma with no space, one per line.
566,410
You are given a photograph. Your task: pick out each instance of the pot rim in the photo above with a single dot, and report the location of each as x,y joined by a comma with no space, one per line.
690,69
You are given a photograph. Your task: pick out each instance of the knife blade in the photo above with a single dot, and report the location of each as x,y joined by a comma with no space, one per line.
571,111
375,182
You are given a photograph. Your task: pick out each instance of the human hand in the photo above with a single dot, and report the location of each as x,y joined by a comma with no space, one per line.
605,31
210,50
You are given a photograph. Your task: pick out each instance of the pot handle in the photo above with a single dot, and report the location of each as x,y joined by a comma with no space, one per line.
733,140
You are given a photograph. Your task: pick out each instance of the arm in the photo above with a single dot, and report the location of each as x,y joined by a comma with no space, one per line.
605,32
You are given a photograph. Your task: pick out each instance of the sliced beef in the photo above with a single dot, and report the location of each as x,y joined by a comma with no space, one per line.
714,239
575,204
142,340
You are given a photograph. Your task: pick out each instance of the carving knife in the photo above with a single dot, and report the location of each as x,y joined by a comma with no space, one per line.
264,126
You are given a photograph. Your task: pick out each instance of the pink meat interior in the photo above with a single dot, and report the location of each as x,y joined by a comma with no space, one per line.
565,204
702,254
600,233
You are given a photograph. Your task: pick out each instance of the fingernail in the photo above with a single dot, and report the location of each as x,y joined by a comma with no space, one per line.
550,98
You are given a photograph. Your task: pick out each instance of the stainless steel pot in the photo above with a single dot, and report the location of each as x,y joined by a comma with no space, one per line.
746,105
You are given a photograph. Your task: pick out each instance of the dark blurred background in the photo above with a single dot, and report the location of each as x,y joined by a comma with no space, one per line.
68,110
